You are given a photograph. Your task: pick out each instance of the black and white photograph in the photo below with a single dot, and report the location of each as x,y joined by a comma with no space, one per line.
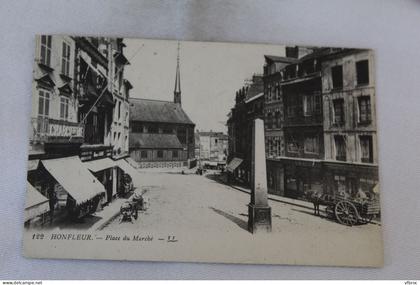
165,150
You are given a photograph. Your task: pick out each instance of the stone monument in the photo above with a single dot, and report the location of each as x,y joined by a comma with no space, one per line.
259,212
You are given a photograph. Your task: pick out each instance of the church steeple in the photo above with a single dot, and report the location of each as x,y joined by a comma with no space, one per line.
177,90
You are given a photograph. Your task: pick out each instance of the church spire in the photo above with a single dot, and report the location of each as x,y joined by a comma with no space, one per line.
177,90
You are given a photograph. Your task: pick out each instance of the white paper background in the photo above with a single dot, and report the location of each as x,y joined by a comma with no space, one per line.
391,27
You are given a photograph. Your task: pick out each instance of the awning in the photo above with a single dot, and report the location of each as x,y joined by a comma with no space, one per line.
33,164
74,177
127,168
233,164
36,203
99,164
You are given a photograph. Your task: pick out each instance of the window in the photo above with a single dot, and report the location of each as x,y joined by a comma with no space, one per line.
43,111
64,108
311,145
119,110
364,109
337,76
311,105
46,50
44,103
338,111
182,135
153,129
160,153
292,106
366,149
362,71
65,59
278,91
292,145
143,154
340,148
175,154
167,130
137,127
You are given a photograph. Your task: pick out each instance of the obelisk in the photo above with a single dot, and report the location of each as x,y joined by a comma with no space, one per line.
259,212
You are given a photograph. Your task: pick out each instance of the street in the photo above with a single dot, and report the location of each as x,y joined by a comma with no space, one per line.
193,202
212,217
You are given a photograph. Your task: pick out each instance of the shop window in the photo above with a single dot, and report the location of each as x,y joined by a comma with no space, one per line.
311,145
366,149
340,184
46,50
160,153
337,76
64,108
65,59
338,105
362,70
340,148
367,185
364,110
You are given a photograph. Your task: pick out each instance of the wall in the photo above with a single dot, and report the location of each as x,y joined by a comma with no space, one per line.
350,93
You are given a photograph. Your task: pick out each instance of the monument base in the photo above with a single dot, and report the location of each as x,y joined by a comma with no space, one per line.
259,218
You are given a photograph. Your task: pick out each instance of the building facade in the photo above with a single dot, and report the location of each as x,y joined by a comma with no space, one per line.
249,105
320,123
72,121
348,88
213,148
328,125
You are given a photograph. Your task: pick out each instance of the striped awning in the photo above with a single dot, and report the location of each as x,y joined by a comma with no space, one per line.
233,164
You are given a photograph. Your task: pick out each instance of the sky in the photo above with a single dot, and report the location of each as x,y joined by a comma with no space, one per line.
211,73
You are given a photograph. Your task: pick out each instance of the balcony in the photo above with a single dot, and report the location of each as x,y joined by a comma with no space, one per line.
47,130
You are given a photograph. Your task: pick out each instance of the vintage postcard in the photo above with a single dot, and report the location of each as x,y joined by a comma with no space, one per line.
202,152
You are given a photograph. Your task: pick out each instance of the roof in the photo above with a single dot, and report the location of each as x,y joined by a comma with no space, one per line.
254,97
139,140
280,59
147,110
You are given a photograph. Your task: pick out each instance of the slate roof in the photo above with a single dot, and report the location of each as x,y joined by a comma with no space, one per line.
154,141
147,110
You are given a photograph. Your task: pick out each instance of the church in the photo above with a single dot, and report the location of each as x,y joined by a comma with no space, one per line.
161,133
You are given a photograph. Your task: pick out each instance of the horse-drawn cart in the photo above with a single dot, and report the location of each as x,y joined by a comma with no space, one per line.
348,211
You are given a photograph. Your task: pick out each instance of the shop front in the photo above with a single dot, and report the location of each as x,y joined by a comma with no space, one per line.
72,190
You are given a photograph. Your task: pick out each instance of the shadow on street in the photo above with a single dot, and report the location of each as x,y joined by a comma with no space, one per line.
241,223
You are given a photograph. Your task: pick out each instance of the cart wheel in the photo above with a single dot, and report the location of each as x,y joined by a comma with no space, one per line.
366,219
346,213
